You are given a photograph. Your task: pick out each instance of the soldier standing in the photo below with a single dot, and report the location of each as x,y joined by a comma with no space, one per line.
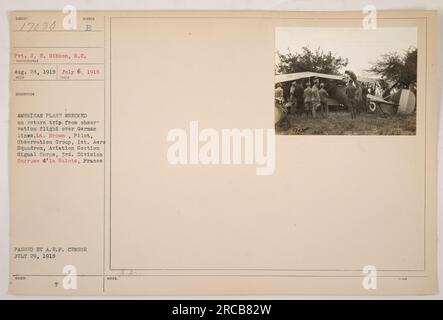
307,95
292,99
324,100
279,94
315,98
350,94
358,98
299,93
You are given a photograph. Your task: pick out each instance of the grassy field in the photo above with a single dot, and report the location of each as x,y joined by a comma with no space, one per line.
340,123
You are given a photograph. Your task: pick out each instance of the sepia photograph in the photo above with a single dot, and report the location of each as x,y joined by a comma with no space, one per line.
345,81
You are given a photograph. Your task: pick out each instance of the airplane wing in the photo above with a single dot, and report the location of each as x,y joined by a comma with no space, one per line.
301,75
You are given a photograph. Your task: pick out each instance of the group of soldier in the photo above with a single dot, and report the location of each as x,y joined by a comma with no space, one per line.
308,100
356,97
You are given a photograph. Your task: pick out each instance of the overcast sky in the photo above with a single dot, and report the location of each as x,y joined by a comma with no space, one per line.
360,46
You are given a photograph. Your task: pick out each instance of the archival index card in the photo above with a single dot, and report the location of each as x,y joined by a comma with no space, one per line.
201,153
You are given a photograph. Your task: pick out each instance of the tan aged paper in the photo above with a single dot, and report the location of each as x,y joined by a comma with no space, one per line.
191,153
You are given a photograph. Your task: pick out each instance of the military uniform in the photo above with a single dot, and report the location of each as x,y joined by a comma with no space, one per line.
299,93
308,99
350,94
324,101
315,99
